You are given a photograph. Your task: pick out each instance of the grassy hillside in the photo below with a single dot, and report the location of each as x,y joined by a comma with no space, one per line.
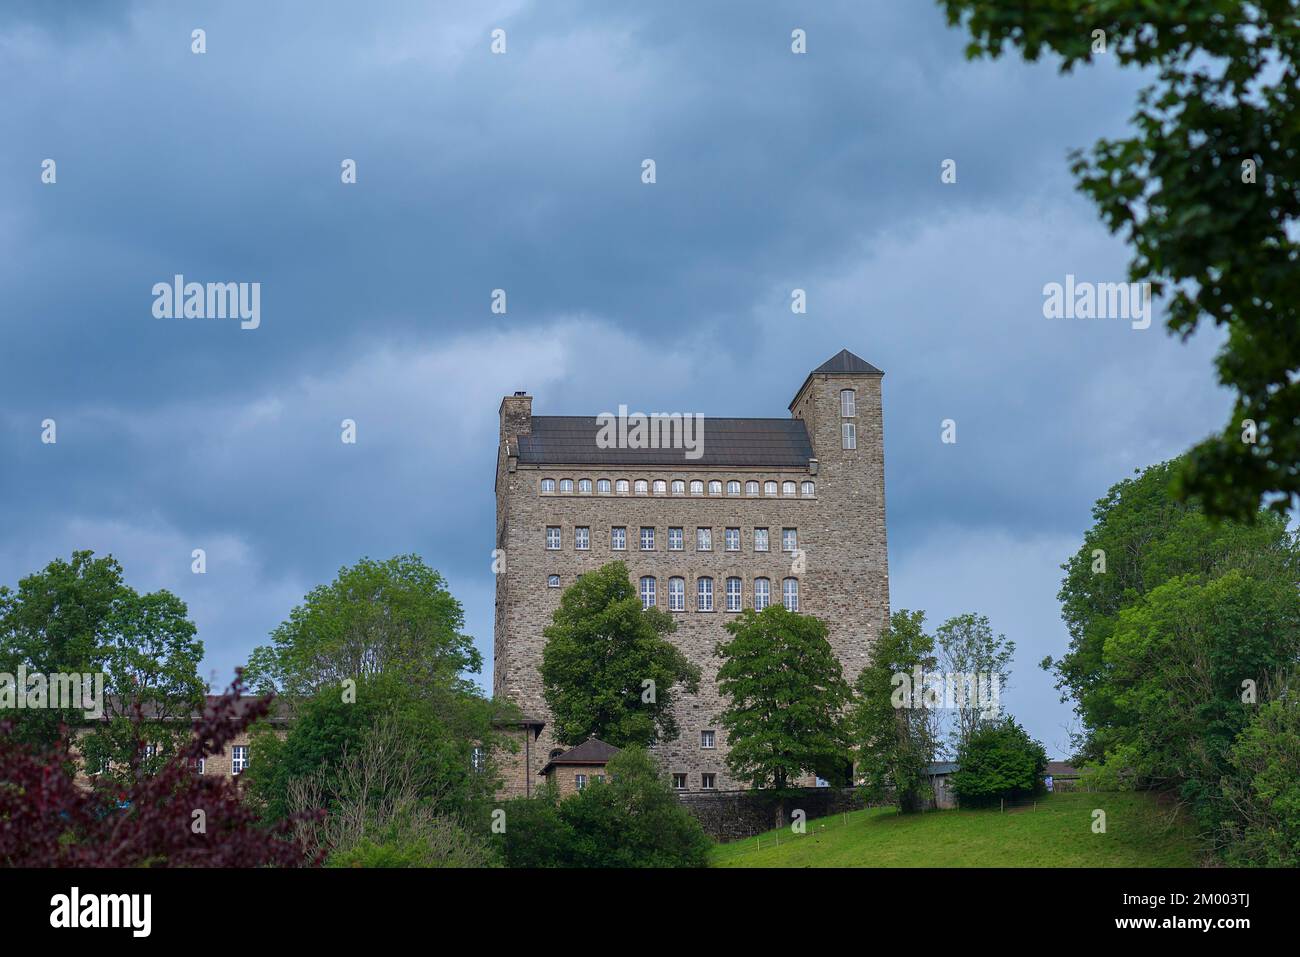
1056,834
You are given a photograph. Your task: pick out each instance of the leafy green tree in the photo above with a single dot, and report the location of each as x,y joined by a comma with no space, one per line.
1207,191
968,649
894,738
81,617
1263,788
786,697
999,761
607,669
391,617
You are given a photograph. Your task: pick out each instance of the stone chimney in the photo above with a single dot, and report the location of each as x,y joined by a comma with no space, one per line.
516,417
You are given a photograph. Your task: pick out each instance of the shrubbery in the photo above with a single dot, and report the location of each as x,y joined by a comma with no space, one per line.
1000,760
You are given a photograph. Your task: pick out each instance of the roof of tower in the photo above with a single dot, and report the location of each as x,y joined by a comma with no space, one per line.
845,362
571,440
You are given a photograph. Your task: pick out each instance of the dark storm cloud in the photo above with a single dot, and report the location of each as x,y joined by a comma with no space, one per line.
522,172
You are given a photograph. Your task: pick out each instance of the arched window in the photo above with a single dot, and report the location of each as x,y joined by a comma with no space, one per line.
677,594
647,592
762,593
849,435
679,487
790,594
641,487
809,490
787,488
733,488
566,486
751,488
602,486
715,488
584,486
621,486
548,485
661,487
733,594
769,488
704,594
697,488
848,405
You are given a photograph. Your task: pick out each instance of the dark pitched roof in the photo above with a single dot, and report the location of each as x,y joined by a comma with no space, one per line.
847,363
571,440
942,767
591,751
1059,769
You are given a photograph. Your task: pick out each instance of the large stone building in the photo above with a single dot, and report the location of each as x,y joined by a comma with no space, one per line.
761,511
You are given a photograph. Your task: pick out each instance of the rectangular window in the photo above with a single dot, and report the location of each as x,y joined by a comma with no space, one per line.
707,740
790,594
647,592
676,540
677,594
552,581
679,781
849,435
200,765
647,539
704,595
552,537
618,538
708,782
732,539
704,539
238,758
760,539
762,593
789,539
580,781
582,538
598,779
733,594
848,407
478,759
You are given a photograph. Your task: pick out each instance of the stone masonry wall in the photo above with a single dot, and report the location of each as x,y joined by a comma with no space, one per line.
734,815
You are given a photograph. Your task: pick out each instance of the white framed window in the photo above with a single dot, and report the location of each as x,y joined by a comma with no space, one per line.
733,594
708,781
679,487
478,759
697,487
584,486
848,404
552,537
849,435
760,540
200,765
548,486
676,540
789,539
566,486
679,781
621,486
704,594
808,490
715,488
731,539
602,486
762,593
598,779
788,488
618,538
769,488
704,539
579,781
661,487
708,740
751,489
582,538
790,594
677,594
647,538
647,592
733,487
238,759
552,581
641,487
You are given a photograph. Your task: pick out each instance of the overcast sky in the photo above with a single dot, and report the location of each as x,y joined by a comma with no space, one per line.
522,171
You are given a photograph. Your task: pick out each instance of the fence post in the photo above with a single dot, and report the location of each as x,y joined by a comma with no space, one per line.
1002,809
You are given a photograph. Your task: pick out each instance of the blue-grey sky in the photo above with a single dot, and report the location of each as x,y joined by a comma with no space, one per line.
522,171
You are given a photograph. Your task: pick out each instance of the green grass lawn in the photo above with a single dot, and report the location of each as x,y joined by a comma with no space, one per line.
1056,834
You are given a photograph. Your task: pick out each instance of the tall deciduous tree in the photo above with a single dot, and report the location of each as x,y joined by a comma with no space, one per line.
890,727
607,669
1207,191
979,664
786,697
